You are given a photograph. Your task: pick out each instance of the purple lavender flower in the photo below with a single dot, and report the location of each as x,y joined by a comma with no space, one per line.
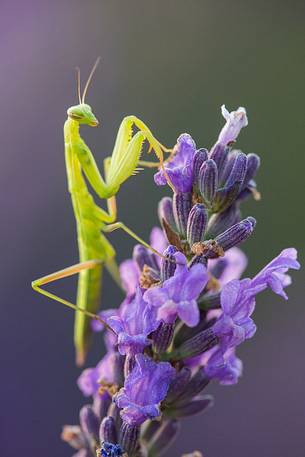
89,380
236,120
227,368
134,324
274,274
238,303
144,388
180,168
177,296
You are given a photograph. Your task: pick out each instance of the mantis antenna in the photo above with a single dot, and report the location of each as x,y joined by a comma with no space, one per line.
78,84
90,78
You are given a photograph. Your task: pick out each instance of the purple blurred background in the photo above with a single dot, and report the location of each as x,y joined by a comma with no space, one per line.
173,64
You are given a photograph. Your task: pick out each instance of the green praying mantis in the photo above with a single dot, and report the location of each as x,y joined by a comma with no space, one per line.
95,251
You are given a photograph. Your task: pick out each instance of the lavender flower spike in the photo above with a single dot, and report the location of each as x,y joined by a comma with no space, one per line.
177,296
144,388
180,167
236,120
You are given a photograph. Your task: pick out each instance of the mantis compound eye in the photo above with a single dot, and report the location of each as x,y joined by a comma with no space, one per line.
75,117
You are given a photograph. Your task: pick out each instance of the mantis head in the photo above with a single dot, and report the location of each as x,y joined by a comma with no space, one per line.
82,113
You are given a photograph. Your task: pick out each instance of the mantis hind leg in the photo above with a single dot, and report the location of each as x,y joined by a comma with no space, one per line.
82,268
65,273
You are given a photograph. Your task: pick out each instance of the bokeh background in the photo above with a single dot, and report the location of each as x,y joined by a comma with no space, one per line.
172,63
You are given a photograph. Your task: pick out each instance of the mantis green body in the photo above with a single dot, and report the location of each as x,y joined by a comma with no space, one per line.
91,220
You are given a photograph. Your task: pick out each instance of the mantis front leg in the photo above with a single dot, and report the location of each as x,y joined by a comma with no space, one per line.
124,160
127,151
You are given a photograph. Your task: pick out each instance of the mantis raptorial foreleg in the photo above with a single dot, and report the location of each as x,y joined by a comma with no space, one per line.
127,151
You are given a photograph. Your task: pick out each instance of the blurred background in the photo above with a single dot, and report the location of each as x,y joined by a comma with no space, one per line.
173,63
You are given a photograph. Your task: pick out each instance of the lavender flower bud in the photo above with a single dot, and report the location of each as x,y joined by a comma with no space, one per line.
162,337
165,211
198,382
228,163
249,185
168,267
238,171
108,430
195,406
178,385
201,155
253,164
114,412
236,234
196,224
142,257
129,435
219,222
89,422
234,178
101,404
219,154
163,437
182,203
208,180
200,343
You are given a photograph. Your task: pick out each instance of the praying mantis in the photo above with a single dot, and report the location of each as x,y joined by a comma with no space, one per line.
95,251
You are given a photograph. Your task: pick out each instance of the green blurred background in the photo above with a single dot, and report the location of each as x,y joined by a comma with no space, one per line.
173,64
